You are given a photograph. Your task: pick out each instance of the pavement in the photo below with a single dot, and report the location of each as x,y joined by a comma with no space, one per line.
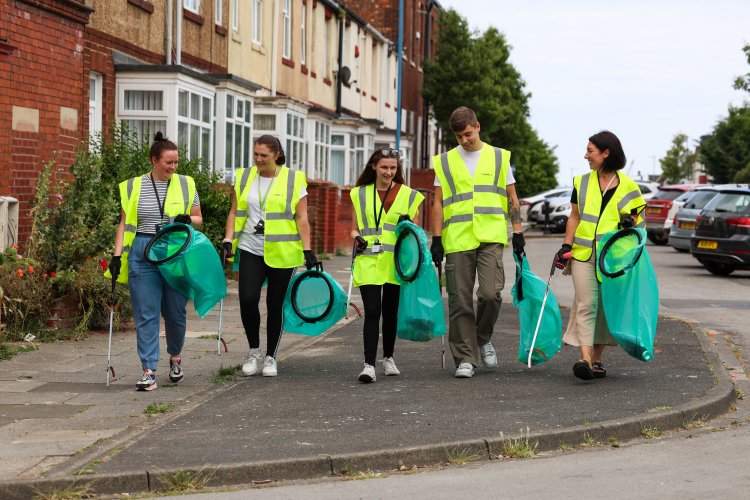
61,427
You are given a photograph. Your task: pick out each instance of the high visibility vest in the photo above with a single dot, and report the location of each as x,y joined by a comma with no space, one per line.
474,209
179,200
282,243
592,226
379,268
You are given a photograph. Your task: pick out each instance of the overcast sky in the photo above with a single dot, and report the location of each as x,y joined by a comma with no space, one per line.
645,70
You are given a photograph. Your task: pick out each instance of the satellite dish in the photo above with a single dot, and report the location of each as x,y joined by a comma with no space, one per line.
345,74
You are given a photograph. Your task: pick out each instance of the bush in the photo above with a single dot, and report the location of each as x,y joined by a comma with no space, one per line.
26,294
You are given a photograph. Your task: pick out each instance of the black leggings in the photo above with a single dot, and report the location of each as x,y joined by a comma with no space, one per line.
253,272
374,305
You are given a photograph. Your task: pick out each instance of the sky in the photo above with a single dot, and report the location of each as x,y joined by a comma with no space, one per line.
646,70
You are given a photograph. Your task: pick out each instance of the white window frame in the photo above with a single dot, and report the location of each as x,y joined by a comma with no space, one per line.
239,152
357,158
326,48
192,5
296,143
303,36
341,148
286,23
235,15
257,21
218,12
203,123
322,151
96,106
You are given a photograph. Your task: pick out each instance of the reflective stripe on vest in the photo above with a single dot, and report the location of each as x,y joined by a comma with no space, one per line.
474,210
282,243
371,268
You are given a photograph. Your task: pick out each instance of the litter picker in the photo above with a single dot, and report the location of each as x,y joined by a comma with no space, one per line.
544,302
220,341
439,266
110,368
351,280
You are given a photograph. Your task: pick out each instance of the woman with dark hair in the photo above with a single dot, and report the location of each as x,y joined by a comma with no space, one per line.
148,202
603,200
380,201
267,235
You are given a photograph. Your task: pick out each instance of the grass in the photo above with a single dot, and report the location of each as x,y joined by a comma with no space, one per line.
613,442
184,481
692,424
588,441
519,448
8,351
461,457
226,374
739,393
157,408
658,409
72,492
566,448
651,432
350,474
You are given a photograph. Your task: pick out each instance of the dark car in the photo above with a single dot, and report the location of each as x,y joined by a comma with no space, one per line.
721,241
683,224
661,209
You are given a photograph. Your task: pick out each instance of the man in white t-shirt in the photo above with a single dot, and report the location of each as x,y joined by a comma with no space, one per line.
475,196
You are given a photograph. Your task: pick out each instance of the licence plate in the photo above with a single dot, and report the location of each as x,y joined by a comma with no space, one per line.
710,245
687,225
653,210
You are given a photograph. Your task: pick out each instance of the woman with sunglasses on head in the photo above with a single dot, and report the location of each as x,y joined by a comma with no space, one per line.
267,235
380,201
149,202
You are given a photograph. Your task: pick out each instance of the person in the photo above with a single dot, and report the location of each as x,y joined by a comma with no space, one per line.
475,194
268,233
149,202
602,200
380,200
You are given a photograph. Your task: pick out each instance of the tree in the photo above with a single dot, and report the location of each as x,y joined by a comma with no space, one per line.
472,69
743,82
726,151
677,164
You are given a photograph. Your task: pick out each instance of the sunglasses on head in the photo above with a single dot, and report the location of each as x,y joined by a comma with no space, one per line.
389,153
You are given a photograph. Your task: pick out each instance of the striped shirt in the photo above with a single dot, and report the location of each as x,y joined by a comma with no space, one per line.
148,208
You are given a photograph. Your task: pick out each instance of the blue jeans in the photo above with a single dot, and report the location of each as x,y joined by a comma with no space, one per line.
151,297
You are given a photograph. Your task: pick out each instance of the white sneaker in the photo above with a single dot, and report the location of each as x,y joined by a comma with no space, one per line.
489,358
368,374
389,367
252,363
269,367
465,370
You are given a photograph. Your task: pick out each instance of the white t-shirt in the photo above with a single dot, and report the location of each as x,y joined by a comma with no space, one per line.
249,241
471,159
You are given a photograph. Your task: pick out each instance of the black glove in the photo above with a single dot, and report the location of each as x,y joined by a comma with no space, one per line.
360,245
518,243
437,250
626,221
310,259
562,257
227,252
404,217
114,266
183,218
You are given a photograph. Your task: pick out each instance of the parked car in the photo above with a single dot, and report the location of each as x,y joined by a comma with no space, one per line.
558,208
661,209
683,224
530,201
648,188
722,232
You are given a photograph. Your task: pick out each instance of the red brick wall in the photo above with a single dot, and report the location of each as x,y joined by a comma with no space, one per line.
423,181
44,72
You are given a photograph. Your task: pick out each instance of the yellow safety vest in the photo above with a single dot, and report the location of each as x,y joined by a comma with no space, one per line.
282,244
474,209
379,268
179,200
592,227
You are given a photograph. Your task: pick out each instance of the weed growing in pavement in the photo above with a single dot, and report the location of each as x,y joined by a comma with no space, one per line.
651,432
352,475
739,393
566,448
157,408
226,374
7,351
692,424
73,492
588,441
658,409
519,448
613,442
184,481
460,457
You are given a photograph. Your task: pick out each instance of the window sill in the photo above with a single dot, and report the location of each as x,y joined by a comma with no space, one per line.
287,62
192,16
327,81
303,69
220,30
313,74
143,5
258,48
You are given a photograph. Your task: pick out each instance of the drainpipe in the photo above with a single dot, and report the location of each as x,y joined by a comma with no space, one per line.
178,45
169,32
274,45
400,71
339,83
425,101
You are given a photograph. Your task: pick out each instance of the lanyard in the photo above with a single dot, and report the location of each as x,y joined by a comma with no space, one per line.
377,215
156,193
609,183
262,199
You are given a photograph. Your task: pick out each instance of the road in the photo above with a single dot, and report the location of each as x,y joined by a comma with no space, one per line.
693,463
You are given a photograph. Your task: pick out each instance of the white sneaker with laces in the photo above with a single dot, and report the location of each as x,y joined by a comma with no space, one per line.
389,367
269,367
489,357
252,364
368,374
465,370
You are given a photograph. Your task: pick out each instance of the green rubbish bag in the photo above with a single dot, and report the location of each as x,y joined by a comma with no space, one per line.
630,293
528,295
313,303
421,315
190,264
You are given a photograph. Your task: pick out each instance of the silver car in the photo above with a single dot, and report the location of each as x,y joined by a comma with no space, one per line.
684,221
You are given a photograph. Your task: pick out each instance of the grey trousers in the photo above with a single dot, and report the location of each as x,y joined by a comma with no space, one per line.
467,331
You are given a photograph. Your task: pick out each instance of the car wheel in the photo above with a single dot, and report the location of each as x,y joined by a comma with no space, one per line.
657,238
718,268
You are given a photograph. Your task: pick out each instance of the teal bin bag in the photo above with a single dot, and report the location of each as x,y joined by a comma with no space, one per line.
528,295
630,293
421,315
190,264
313,303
